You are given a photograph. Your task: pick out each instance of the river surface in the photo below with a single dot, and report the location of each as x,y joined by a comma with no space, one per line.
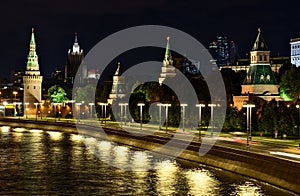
36,162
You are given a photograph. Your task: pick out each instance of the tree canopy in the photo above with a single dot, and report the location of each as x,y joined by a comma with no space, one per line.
290,83
57,94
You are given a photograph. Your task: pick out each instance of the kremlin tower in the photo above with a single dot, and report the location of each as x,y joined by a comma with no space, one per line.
32,79
167,70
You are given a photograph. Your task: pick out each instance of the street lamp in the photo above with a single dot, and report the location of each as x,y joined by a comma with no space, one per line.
183,105
36,109
123,117
91,108
200,106
15,93
103,114
79,107
212,118
159,125
298,106
26,108
249,113
167,106
141,113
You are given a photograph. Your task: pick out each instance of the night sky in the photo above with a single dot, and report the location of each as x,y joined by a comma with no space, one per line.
56,21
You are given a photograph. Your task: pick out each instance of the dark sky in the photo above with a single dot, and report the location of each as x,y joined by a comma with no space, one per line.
56,21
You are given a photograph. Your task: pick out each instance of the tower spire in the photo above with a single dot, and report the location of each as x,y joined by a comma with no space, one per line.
260,44
76,47
32,59
32,40
168,56
76,41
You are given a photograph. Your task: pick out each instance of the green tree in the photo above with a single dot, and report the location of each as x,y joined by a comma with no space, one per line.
57,94
290,83
85,94
233,120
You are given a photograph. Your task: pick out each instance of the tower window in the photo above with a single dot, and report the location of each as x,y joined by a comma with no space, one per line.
33,87
27,87
265,57
260,57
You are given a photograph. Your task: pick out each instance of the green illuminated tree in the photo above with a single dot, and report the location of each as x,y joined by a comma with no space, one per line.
290,83
57,94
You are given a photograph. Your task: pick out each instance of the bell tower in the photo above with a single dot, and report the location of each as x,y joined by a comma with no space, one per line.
32,79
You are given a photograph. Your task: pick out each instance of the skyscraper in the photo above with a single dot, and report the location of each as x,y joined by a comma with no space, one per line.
74,60
32,79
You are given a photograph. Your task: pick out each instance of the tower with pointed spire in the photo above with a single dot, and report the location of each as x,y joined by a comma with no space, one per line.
260,82
74,60
32,79
117,91
260,78
167,70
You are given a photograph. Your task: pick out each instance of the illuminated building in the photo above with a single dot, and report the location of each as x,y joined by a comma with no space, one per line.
74,60
167,70
223,51
32,79
295,51
260,81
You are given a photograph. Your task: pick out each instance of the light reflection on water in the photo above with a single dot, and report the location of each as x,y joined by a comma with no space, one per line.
35,162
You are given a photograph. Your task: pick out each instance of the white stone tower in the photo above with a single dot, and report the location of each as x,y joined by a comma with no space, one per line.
32,79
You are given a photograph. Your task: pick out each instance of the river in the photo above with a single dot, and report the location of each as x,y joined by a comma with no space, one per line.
37,162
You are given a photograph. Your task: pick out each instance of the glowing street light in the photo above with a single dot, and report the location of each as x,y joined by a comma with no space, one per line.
141,105
123,117
26,109
91,108
183,105
79,109
298,106
167,106
103,114
36,110
212,118
200,106
15,93
249,112
159,105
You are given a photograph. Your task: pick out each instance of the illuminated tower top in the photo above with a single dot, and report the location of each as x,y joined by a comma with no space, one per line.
168,57
76,47
32,67
260,44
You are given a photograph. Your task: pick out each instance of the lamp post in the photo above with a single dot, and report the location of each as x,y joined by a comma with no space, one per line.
167,106
103,114
41,104
249,113
79,105
125,112
141,113
298,106
26,108
91,108
183,105
212,118
159,123
15,93
36,109
200,106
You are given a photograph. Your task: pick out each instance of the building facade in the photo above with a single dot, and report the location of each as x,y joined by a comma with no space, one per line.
260,81
295,51
32,80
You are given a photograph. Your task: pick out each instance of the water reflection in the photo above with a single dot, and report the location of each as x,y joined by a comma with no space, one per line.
166,177
34,162
247,189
